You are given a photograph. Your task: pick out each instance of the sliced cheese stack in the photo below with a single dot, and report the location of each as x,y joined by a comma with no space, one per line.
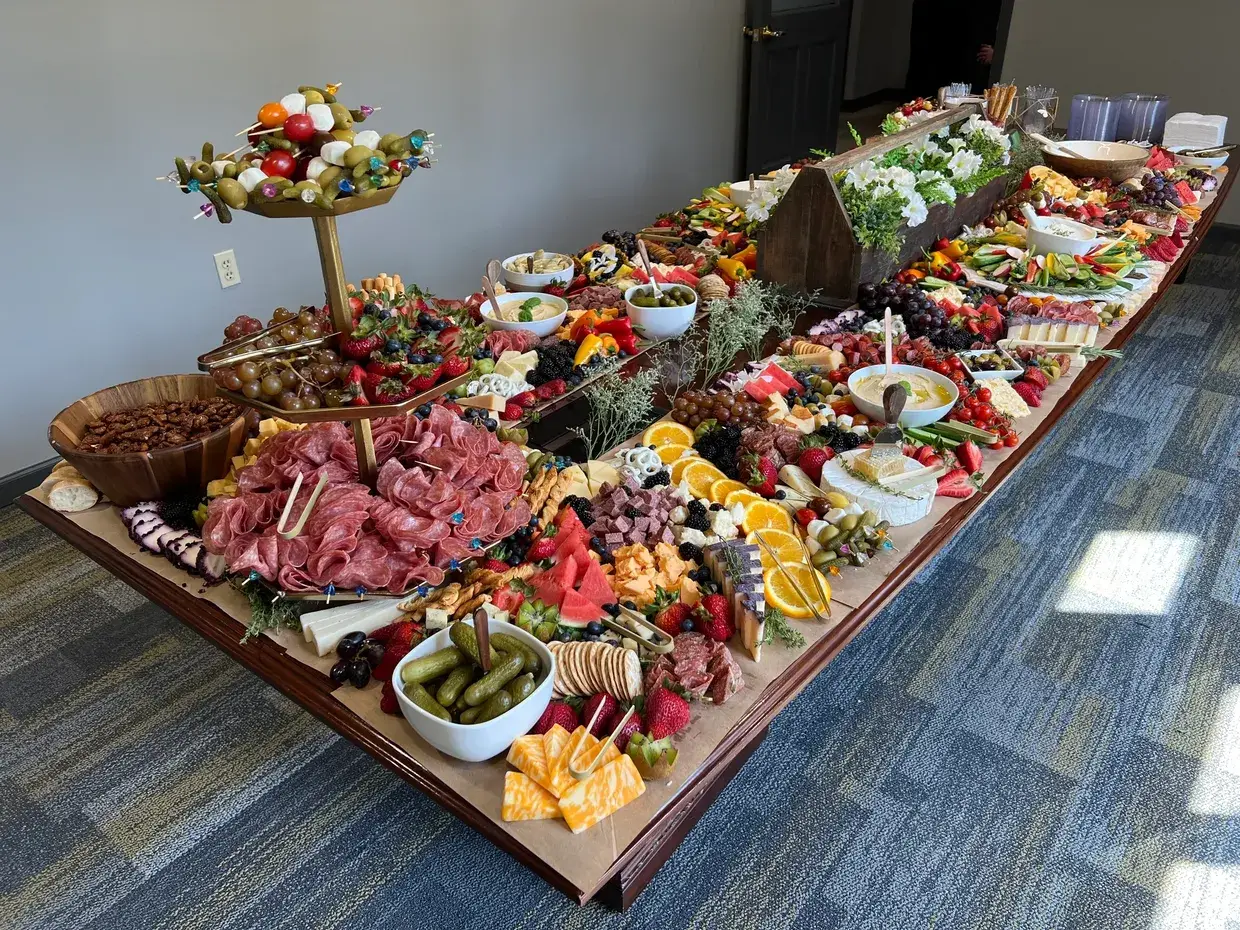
1051,331
736,567
544,788
325,628
516,365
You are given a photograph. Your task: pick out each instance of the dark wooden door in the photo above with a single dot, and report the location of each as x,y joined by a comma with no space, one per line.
797,50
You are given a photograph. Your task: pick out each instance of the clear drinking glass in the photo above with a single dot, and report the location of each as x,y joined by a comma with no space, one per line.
1039,109
1093,118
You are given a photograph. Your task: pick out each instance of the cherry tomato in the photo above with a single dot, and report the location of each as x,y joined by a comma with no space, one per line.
279,162
1010,440
942,368
298,128
956,363
998,444
983,393
272,115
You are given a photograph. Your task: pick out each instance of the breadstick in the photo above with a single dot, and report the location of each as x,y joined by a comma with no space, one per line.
558,492
542,489
470,606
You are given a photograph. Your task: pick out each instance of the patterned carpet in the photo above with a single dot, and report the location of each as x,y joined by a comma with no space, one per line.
1043,731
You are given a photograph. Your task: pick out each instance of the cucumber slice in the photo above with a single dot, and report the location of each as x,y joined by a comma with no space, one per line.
965,430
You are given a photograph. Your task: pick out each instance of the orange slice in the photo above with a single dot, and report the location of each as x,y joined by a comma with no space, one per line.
679,466
744,495
700,476
782,593
720,489
786,546
763,514
668,433
670,453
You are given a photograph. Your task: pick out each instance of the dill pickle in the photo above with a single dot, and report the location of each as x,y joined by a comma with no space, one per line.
497,704
208,152
329,176
466,640
222,213
509,643
470,715
340,113
420,696
428,668
482,690
456,682
520,688
182,170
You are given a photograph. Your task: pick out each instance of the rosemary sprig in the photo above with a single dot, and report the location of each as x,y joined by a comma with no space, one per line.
620,405
776,626
268,612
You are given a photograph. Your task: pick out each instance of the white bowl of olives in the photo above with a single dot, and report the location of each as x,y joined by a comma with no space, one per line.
662,317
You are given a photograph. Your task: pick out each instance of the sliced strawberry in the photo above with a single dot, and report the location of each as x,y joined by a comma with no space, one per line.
956,483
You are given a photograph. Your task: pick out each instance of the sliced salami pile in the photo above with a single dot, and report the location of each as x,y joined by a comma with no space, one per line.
420,522
702,667
510,340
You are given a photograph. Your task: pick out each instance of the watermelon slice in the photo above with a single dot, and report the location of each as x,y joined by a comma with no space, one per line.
567,520
549,593
593,586
572,541
577,611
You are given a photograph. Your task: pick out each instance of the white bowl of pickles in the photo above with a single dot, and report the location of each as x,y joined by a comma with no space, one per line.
484,711
662,317
547,268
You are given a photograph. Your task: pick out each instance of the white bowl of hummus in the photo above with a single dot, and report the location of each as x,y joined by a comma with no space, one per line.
931,395
541,314
1059,234
549,268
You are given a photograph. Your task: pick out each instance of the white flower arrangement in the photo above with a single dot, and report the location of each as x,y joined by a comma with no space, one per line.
895,190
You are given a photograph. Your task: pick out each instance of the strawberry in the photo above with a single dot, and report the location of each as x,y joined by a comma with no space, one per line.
805,516
635,724
356,304
495,565
370,383
512,412
1037,377
454,366
969,456
591,706
551,389
399,633
424,378
666,713
556,289
392,654
811,462
525,399
671,619
932,461
1028,393
540,549
385,368
955,483
455,409
759,473
387,700
926,452
360,346
359,399
910,450
556,712
390,391
713,618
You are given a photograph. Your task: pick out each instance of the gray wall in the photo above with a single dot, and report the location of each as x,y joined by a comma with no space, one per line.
557,120
1200,69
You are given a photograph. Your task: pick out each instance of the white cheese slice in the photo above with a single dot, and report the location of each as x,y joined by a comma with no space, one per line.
436,619
381,613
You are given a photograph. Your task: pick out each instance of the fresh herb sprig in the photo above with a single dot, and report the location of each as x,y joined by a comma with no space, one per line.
267,612
620,405
775,626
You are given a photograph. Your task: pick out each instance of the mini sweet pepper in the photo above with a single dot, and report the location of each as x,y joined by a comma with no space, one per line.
621,330
732,269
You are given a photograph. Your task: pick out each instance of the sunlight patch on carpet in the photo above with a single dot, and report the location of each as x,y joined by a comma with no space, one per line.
1129,572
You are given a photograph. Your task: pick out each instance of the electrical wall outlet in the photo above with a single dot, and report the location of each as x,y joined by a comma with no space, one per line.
226,268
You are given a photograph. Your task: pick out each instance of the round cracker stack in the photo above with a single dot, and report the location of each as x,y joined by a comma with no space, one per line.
586,668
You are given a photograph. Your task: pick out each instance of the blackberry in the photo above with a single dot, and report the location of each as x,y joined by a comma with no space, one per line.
720,446
581,507
554,361
695,506
690,552
716,506
698,520
632,513
658,479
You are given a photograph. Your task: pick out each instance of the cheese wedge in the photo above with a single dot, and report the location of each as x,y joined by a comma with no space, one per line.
602,794
525,799
554,742
492,402
586,758
561,780
526,754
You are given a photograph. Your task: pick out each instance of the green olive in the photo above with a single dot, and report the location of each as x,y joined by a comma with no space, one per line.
232,193
312,96
202,172
358,154
344,119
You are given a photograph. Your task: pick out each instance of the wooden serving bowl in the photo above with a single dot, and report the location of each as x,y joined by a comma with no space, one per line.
128,478
1113,160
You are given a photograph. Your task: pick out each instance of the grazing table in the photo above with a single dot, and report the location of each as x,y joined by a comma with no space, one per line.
614,861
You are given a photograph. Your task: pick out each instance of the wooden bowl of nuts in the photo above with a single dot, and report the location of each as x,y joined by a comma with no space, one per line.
151,439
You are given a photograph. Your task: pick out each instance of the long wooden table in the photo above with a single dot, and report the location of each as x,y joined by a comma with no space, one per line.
636,864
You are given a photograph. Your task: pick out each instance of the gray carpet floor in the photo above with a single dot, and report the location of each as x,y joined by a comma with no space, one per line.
1041,731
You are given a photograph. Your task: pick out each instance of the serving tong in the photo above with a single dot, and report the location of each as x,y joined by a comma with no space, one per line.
282,526
661,642
600,750
795,585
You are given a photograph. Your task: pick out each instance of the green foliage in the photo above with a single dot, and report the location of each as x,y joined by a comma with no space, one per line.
877,219
620,405
856,136
268,612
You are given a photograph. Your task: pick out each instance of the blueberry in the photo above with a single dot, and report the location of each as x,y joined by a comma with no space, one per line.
435,359
594,627
613,609
564,634
630,605
479,354
492,424
418,358
686,625
371,309
393,345
780,495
